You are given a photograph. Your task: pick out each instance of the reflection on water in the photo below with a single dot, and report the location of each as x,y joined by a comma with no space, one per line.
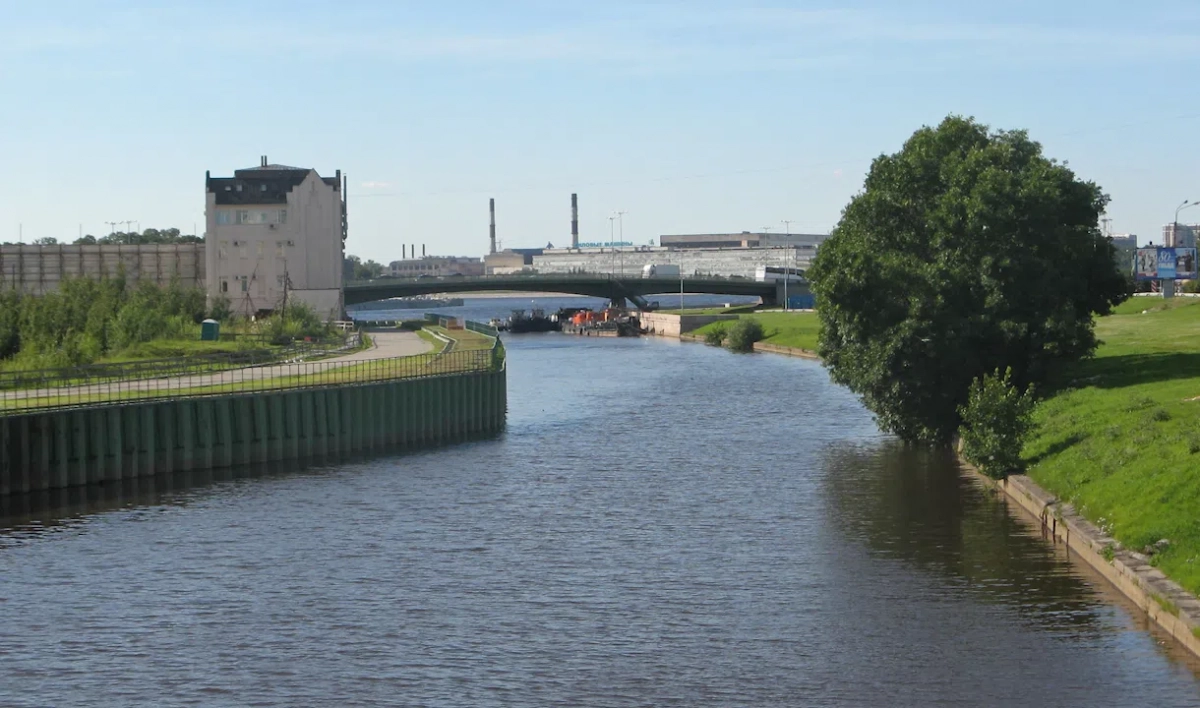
662,524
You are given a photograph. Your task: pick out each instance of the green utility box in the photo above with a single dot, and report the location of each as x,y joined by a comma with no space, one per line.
210,331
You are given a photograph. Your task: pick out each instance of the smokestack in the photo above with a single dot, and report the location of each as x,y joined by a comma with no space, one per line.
422,250
492,230
574,222
404,251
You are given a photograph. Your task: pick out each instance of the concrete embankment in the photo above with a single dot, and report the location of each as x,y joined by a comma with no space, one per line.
1166,603
93,445
1174,609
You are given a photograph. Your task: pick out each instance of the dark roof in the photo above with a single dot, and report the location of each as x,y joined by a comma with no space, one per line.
268,184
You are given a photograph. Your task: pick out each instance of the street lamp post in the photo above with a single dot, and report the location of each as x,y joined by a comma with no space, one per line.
1168,287
611,219
621,239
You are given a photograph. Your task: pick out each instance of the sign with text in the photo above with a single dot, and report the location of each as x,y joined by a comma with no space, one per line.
612,244
1166,264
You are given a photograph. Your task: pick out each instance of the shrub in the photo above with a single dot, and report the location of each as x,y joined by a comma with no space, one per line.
716,336
221,310
743,335
996,419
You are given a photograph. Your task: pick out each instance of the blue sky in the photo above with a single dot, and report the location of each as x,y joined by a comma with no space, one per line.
691,117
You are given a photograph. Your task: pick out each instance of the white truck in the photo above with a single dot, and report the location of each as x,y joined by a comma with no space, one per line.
654,270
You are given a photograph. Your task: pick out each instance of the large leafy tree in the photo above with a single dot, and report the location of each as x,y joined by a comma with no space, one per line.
966,252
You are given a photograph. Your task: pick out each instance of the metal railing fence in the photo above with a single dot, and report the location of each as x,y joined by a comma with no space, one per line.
73,391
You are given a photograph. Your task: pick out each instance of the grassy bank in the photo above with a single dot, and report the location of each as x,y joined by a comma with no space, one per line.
1122,439
786,329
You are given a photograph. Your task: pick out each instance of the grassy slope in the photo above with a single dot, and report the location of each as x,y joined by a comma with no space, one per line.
1124,443
787,329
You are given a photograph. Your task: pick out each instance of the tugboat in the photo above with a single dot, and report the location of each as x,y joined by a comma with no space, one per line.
605,323
535,321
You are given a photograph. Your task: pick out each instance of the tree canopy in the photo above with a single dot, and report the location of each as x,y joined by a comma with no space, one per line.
353,268
133,238
967,252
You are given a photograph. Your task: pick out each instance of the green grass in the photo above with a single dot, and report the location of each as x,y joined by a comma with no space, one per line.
786,329
427,336
1121,439
464,339
737,309
178,348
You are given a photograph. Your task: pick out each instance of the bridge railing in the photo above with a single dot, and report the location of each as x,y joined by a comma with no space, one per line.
51,391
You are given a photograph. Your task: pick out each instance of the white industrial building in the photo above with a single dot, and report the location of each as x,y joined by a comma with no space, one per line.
629,262
274,230
436,266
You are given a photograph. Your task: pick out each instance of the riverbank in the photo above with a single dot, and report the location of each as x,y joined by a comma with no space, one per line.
1121,439
793,333
1112,455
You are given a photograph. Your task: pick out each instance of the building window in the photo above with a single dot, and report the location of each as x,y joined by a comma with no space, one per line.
224,285
283,216
245,284
279,249
224,217
243,216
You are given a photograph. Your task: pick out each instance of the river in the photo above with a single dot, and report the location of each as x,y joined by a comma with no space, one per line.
662,524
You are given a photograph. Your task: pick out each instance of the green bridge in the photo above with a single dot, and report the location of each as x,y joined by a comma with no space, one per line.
614,289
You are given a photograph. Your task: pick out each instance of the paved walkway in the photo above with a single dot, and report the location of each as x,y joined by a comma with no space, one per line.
384,345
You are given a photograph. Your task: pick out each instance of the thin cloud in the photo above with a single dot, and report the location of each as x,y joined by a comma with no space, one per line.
376,185
658,38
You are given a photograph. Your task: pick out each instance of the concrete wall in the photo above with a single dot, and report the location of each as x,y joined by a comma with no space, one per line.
673,325
76,447
39,269
628,262
306,248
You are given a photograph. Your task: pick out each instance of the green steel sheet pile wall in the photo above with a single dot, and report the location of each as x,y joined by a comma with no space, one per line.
81,446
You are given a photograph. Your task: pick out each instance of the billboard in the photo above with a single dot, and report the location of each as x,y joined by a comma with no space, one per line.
1165,264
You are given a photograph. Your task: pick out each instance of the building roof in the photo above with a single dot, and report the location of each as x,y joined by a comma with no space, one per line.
264,184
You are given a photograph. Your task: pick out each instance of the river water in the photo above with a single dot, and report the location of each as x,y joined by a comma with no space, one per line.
662,524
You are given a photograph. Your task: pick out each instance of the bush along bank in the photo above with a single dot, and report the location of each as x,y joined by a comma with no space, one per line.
788,330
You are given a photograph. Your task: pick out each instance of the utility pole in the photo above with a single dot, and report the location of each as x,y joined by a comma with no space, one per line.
112,227
787,260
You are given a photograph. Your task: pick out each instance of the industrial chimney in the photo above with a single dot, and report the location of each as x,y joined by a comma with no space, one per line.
574,222
422,250
492,229
404,251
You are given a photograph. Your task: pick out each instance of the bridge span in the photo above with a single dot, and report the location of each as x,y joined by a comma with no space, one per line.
611,288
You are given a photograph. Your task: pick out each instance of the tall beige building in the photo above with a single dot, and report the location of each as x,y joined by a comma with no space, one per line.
272,230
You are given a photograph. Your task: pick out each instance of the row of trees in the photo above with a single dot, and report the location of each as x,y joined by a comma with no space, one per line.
964,276
353,268
124,238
